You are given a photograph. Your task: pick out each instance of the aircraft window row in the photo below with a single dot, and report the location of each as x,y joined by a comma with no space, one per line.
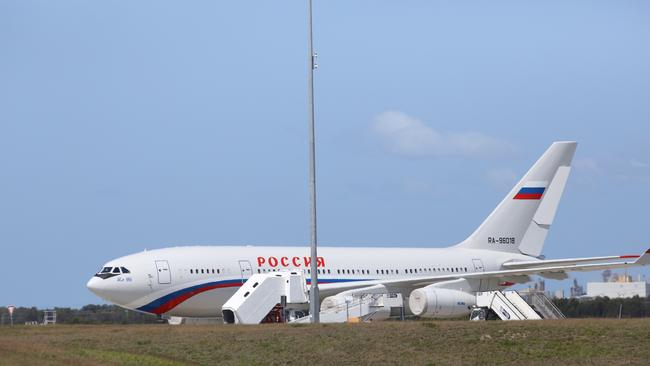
205,271
434,270
352,271
320,271
117,270
378,271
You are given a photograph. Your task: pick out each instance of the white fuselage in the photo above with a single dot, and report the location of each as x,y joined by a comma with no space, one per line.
197,281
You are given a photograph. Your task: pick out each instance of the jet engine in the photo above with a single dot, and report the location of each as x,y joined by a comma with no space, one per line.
435,302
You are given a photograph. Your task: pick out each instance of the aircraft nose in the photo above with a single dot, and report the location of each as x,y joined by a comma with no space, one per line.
96,286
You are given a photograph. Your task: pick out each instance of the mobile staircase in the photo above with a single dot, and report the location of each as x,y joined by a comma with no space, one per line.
542,305
284,297
261,295
510,305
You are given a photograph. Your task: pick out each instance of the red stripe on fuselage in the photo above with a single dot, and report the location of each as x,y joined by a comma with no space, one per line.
177,300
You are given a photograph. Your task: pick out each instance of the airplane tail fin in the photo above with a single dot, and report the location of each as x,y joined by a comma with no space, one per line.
521,221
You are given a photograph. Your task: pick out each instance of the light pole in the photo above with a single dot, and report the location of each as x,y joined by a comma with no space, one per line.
314,296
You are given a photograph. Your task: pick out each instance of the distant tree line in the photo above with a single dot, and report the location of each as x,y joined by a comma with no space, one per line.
604,307
89,314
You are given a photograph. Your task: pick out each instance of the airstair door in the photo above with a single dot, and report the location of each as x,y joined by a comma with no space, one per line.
478,267
164,274
246,270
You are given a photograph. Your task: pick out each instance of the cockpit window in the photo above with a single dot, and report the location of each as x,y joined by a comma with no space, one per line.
108,272
124,270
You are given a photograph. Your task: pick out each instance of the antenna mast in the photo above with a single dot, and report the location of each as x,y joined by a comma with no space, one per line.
314,296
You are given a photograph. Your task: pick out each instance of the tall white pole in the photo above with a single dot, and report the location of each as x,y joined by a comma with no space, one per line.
314,296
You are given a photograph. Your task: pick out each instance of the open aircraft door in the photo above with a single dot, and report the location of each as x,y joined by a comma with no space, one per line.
164,274
246,270
478,267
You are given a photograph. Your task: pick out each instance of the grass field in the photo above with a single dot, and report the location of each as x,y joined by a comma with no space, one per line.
567,342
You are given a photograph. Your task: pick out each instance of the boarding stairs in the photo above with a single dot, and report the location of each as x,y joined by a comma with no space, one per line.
507,305
261,294
542,304
511,305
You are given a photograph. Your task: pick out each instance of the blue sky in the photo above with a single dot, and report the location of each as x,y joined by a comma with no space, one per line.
144,124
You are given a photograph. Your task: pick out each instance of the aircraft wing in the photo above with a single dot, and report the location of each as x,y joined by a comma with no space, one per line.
525,268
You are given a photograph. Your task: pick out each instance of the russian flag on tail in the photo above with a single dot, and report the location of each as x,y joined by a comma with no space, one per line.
530,193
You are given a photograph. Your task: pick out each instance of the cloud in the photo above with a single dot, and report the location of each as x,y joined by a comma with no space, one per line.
616,168
410,137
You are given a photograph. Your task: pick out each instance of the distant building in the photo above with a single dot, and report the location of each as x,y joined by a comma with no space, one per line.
618,289
618,286
576,290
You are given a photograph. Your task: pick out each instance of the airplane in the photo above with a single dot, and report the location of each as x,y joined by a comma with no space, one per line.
506,249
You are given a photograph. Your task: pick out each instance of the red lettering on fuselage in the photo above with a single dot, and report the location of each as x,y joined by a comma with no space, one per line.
295,262
273,261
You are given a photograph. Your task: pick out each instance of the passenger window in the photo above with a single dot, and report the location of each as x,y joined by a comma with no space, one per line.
382,271
329,272
338,271
201,270
218,271
191,271
116,270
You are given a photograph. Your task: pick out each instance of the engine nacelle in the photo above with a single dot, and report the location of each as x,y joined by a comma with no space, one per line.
435,302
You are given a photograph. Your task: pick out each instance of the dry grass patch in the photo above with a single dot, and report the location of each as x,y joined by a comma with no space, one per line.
566,342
